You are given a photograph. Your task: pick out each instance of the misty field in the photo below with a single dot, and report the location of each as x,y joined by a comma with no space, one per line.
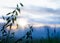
43,34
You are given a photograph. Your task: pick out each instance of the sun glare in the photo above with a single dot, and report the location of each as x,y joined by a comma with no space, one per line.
22,22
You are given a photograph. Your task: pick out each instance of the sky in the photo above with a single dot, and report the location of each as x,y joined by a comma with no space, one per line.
35,11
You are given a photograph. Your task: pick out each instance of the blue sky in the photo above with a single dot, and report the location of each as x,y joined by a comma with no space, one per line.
40,11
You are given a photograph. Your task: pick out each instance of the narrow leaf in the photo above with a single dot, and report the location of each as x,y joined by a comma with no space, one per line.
15,18
21,4
13,11
8,18
17,26
9,13
18,9
10,26
3,17
3,32
3,28
7,22
16,13
17,6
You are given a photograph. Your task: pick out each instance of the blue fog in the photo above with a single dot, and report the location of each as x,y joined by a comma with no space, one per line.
38,32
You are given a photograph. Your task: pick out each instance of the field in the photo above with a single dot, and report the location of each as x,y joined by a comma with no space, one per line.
43,34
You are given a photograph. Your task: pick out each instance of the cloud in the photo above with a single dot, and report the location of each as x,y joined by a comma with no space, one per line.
9,3
44,11
43,3
43,15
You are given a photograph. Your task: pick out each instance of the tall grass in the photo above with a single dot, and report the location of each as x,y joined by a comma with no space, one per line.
11,18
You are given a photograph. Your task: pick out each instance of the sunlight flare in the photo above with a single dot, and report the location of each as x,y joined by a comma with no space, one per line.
22,22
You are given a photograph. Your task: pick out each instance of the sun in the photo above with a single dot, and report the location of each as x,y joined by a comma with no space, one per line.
22,22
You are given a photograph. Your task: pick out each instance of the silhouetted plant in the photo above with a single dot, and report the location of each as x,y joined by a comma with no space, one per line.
48,33
20,39
10,21
55,31
27,36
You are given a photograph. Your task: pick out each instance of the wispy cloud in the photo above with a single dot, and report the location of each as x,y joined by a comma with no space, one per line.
43,15
43,11
44,3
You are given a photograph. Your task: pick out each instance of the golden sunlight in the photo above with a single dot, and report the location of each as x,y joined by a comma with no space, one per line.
13,27
22,22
